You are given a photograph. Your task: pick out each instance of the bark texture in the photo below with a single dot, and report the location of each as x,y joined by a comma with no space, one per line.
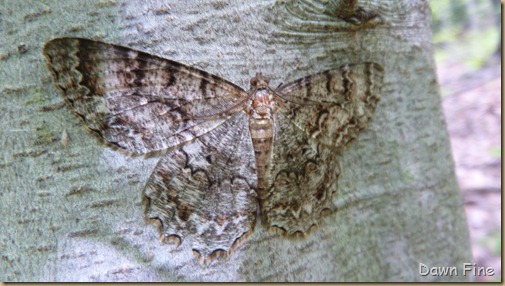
71,208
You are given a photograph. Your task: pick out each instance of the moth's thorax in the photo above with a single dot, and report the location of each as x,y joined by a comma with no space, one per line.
262,104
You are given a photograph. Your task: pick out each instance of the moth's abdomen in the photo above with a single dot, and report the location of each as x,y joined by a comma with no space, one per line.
262,136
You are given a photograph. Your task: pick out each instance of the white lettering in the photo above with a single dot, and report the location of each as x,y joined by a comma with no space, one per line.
424,270
467,267
473,269
421,269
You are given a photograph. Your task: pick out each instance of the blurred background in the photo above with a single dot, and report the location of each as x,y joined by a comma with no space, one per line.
467,41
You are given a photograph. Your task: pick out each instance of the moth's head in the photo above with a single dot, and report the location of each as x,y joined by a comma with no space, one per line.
259,81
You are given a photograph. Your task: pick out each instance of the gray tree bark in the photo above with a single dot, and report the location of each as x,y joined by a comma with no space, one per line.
71,208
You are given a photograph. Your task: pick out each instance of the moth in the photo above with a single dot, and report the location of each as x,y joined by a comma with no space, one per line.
229,156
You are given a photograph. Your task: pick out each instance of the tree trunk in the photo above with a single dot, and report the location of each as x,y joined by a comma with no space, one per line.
71,208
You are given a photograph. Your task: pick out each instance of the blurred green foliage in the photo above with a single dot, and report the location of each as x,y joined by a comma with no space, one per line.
466,31
464,15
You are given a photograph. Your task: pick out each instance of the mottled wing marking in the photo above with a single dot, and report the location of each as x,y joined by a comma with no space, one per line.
303,179
136,101
204,191
318,116
333,106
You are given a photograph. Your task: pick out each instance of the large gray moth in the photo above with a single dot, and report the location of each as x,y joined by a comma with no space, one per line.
228,154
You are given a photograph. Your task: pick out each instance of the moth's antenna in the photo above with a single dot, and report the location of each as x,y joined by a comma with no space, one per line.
227,112
306,102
